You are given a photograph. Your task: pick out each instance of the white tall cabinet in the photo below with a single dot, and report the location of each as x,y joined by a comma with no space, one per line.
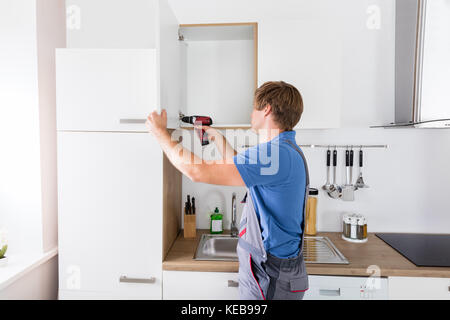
110,215
110,170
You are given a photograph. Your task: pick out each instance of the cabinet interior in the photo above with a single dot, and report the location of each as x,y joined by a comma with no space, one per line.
219,75
219,64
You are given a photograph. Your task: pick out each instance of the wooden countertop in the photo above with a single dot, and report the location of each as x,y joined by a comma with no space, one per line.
360,256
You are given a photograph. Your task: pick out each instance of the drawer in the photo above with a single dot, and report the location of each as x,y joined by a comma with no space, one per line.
346,288
193,285
413,288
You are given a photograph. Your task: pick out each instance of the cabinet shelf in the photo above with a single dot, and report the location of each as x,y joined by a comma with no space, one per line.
245,126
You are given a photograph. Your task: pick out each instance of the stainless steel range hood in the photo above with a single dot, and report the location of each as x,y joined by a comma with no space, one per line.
422,64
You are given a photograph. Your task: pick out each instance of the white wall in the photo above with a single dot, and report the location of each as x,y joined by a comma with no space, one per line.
51,33
29,32
20,180
41,283
407,181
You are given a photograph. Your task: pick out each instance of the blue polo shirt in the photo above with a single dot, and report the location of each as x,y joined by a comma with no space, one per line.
274,172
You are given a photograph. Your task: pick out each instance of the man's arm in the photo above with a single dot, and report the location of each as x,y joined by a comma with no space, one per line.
189,164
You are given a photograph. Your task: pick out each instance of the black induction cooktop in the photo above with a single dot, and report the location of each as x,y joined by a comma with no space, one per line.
424,250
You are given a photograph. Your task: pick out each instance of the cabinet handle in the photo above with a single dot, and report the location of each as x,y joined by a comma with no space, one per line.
331,293
132,121
233,284
137,280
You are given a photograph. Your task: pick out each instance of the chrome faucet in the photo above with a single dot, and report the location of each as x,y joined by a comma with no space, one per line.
234,229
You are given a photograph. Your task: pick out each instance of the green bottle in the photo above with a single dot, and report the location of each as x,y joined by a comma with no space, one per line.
216,226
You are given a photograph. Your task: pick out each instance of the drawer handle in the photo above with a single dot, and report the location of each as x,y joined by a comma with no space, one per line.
233,284
137,280
132,121
330,293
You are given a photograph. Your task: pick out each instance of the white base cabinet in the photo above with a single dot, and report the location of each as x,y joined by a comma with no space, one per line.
193,285
415,288
346,288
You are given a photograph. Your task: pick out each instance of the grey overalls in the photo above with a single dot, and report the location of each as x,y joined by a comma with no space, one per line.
264,276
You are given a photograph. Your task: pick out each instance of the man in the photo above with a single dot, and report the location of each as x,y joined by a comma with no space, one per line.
270,243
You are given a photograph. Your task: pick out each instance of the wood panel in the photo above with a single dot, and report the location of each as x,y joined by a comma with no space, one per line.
171,205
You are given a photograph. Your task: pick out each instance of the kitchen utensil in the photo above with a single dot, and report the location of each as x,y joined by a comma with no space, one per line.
351,168
360,181
190,228
335,191
354,228
327,185
348,191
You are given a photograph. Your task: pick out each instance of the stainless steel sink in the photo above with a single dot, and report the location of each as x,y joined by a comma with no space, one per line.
217,247
223,247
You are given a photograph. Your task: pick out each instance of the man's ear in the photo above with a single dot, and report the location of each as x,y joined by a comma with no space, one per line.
267,110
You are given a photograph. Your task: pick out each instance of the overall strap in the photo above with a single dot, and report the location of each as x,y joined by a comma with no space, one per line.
296,147
304,161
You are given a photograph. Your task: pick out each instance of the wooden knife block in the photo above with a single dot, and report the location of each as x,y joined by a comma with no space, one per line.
190,226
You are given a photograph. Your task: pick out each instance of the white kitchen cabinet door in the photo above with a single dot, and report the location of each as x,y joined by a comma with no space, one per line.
102,89
118,24
346,288
110,214
192,285
111,89
172,85
415,288
307,55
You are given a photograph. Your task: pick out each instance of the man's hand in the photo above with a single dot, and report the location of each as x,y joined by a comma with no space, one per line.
157,123
226,150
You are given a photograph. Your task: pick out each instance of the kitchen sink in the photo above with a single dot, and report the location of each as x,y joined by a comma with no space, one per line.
217,247
223,248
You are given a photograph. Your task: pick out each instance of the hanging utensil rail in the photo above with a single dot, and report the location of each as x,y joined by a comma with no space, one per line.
345,146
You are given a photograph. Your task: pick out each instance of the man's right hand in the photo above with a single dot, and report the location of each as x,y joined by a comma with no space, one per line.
214,135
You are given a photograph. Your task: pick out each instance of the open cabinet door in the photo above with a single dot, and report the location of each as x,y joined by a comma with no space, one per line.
170,63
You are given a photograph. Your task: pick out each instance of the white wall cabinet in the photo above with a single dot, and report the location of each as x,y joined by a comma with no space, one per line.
97,88
110,213
192,285
102,78
311,61
416,288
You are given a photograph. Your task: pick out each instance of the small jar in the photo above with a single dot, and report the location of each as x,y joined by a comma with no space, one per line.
346,223
311,213
362,228
354,228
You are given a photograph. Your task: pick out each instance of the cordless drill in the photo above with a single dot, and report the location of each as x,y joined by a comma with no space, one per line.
198,121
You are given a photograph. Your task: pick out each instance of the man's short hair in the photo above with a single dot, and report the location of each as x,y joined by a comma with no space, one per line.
285,100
